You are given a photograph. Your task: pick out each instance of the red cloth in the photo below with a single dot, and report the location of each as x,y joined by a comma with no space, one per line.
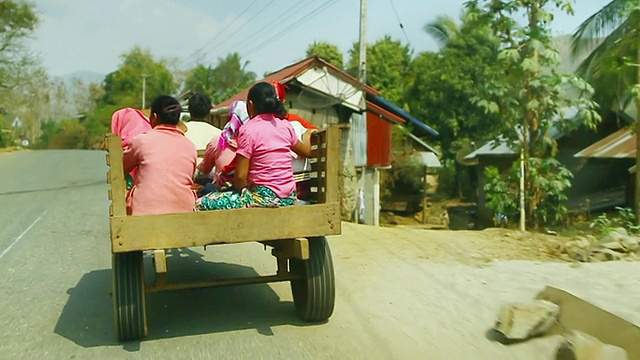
301,120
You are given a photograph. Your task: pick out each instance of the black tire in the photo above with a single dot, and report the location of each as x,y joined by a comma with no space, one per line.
129,303
314,295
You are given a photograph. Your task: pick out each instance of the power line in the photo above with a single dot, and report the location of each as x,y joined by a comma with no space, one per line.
217,35
307,17
225,29
400,22
252,38
236,30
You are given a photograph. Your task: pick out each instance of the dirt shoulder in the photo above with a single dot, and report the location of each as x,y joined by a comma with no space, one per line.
466,247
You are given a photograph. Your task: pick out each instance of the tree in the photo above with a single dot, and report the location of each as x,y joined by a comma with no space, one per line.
326,51
443,29
443,85
224,80
123,87
18,20
388,64
201,79
230,76
530,95
610,36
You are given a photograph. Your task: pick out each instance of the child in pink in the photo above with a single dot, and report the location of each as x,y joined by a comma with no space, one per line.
263,174
165,161
221,150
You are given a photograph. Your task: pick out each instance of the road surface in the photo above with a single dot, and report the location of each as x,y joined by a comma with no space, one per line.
401,294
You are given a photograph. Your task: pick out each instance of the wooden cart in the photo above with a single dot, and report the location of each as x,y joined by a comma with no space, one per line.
300,247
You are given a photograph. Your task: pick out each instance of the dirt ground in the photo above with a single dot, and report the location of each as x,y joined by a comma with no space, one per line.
445,288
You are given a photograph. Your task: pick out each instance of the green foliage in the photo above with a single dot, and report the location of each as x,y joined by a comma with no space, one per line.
625,218
609,38
408,175
444,83
18,20
326,51
224,80
547,185
530,95
388,62
123,87
69,134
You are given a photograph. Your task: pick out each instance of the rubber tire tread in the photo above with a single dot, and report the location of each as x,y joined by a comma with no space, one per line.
314,294
129,303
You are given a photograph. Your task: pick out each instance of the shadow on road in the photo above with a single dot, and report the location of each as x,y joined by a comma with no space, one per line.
87,317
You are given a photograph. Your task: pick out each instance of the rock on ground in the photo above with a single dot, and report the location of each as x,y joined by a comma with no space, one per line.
524,321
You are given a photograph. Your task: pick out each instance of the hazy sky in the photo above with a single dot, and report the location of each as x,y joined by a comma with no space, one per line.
90,35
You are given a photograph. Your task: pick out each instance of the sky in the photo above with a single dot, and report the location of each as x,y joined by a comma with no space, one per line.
90,35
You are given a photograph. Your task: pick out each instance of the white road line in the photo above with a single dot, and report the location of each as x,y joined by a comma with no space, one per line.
21,235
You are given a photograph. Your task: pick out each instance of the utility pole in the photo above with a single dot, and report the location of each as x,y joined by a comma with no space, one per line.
144,90
362,69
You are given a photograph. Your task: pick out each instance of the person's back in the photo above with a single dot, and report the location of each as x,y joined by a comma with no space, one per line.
267,141
165,160
263,174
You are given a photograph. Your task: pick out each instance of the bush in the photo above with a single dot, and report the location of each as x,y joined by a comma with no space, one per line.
72,135
625,218
408,175
547,181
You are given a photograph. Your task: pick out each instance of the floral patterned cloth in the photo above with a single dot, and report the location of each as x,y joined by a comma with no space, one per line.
260,196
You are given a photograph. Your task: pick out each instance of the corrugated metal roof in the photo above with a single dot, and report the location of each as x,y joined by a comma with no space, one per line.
382,106
492,148
620,144
429,159
290,72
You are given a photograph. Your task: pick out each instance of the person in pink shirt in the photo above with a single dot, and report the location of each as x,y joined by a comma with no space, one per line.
263,173
128,123
221,150
165,161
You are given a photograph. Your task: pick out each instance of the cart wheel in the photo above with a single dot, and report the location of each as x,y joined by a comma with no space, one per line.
314,295
129,305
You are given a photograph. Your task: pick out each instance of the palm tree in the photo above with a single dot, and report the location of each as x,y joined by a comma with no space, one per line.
442,29
612,38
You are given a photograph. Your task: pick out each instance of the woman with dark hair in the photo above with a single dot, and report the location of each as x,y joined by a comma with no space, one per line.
165,161
263,173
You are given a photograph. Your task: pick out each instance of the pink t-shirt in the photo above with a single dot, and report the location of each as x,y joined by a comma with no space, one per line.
214,157
165,160
267,141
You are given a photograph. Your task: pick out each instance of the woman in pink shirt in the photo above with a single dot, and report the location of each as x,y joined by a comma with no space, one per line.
165,161
263,174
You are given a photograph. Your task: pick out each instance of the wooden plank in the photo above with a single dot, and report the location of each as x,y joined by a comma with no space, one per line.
333,165
160,261
152,232
290,248
115,176
578,314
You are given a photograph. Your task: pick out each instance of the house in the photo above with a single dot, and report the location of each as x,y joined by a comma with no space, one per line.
326,95
591,182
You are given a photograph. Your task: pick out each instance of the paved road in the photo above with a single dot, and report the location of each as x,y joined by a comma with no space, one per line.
392,300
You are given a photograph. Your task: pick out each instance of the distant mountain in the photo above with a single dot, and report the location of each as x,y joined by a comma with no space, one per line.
85,76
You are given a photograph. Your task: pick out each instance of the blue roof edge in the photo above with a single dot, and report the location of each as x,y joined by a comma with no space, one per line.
389,106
